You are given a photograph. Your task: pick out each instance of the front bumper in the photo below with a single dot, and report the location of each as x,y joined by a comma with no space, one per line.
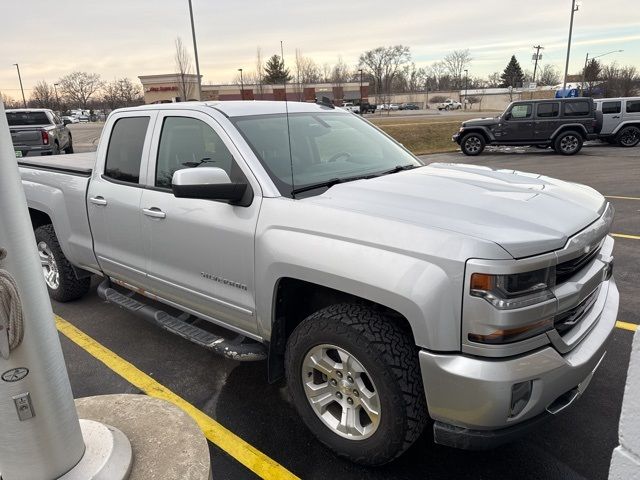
456,138
469,398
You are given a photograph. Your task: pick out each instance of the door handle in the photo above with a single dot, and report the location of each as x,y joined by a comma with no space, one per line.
99,200
154,212
616,116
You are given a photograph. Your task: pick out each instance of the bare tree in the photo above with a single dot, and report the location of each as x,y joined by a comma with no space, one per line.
456,62
436,71
549,76
340,73
494,80
383,64
43,96
78,87
591,75
9,102
122,93
620,81
184,70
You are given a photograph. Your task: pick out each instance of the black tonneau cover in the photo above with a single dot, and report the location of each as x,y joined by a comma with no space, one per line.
75,164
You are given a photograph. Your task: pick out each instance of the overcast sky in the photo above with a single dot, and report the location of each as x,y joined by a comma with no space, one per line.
119,38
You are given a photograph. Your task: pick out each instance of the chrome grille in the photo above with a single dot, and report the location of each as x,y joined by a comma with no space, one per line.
565,270
567,320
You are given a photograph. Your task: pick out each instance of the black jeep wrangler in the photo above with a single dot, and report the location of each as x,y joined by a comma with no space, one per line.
562,124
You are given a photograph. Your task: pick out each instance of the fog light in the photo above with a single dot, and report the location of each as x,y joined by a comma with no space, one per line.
520,396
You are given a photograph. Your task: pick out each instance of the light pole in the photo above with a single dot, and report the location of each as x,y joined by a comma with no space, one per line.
466,86
574,9
55,88
195,51
24,102
586,62
536,57
241,85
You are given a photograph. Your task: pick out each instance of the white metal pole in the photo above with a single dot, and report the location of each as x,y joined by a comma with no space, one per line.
49,443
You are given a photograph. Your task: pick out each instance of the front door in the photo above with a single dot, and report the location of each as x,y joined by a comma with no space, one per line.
517,126
113,198
611,116
200,253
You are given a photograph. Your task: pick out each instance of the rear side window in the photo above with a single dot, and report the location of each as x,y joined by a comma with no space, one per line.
521,111
548,109
125,149
633,107
611,107
577,109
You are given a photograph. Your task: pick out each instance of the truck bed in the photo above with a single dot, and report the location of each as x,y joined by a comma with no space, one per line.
75,164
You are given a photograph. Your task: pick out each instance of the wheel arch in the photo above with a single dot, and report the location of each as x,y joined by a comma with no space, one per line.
628,123
487,135
581,129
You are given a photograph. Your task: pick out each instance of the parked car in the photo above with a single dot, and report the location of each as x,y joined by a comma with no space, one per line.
620,120
389,106
449,104
562,124
409,106
38,131
69,119
83,118
349,106
366,107
383,290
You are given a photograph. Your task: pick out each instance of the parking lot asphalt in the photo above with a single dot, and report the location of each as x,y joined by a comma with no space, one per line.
575,445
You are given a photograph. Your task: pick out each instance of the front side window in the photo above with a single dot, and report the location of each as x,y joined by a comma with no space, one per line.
521,111
633,106
611,107
325,146
546,110
124,153
577,109
190,143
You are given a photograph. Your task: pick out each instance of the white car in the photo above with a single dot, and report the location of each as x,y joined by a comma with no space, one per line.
70,119
449,104
351,107
389,106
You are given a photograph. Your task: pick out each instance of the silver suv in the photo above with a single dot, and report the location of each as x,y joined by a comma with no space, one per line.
620,120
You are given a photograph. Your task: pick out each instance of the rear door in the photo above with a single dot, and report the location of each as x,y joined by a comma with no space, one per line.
115,191
546,120
611,115
200,253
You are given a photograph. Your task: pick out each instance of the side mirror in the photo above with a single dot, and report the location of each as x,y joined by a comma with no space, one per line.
208,183
507,116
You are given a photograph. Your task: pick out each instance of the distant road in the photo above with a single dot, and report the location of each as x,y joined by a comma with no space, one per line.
85,136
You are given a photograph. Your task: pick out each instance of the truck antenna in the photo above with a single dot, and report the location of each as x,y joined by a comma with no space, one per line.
286,109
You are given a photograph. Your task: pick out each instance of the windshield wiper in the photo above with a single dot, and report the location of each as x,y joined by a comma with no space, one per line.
313,186
398,168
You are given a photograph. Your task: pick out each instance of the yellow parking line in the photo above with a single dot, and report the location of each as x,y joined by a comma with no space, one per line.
622,198
622,235
627,326
243,452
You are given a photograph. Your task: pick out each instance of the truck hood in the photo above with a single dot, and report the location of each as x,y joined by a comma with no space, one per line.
480,122
526,214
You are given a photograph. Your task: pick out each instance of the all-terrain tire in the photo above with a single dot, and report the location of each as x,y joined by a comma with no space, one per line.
472,144
568,143
69,148
628,137
69,286
390,357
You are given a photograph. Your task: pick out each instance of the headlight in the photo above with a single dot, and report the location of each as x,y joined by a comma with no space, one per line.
517,290
461,129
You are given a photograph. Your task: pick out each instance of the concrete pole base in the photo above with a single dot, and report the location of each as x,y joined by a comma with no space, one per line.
167,443
108,454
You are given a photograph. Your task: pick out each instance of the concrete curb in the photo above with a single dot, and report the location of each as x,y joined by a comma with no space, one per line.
625,461
167,444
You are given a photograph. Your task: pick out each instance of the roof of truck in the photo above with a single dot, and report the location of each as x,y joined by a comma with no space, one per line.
240,108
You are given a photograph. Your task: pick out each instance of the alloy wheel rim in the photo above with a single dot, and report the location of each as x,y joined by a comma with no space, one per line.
49,266
341,392
569,143
630,137
472,144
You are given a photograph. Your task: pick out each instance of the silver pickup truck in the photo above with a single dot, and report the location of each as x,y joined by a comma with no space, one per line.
388,293
38,131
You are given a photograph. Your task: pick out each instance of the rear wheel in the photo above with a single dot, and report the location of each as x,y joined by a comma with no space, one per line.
354,378
69,148
472,144
568,143
629,136
61,280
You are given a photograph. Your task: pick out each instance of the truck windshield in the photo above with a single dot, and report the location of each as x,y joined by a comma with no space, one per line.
21,119
325,147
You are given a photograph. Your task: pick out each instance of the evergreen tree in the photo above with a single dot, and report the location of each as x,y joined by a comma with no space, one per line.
274,71
512,75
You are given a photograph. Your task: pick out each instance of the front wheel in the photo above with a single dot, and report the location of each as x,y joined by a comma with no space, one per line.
354,378
568,143
472,144
629,136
